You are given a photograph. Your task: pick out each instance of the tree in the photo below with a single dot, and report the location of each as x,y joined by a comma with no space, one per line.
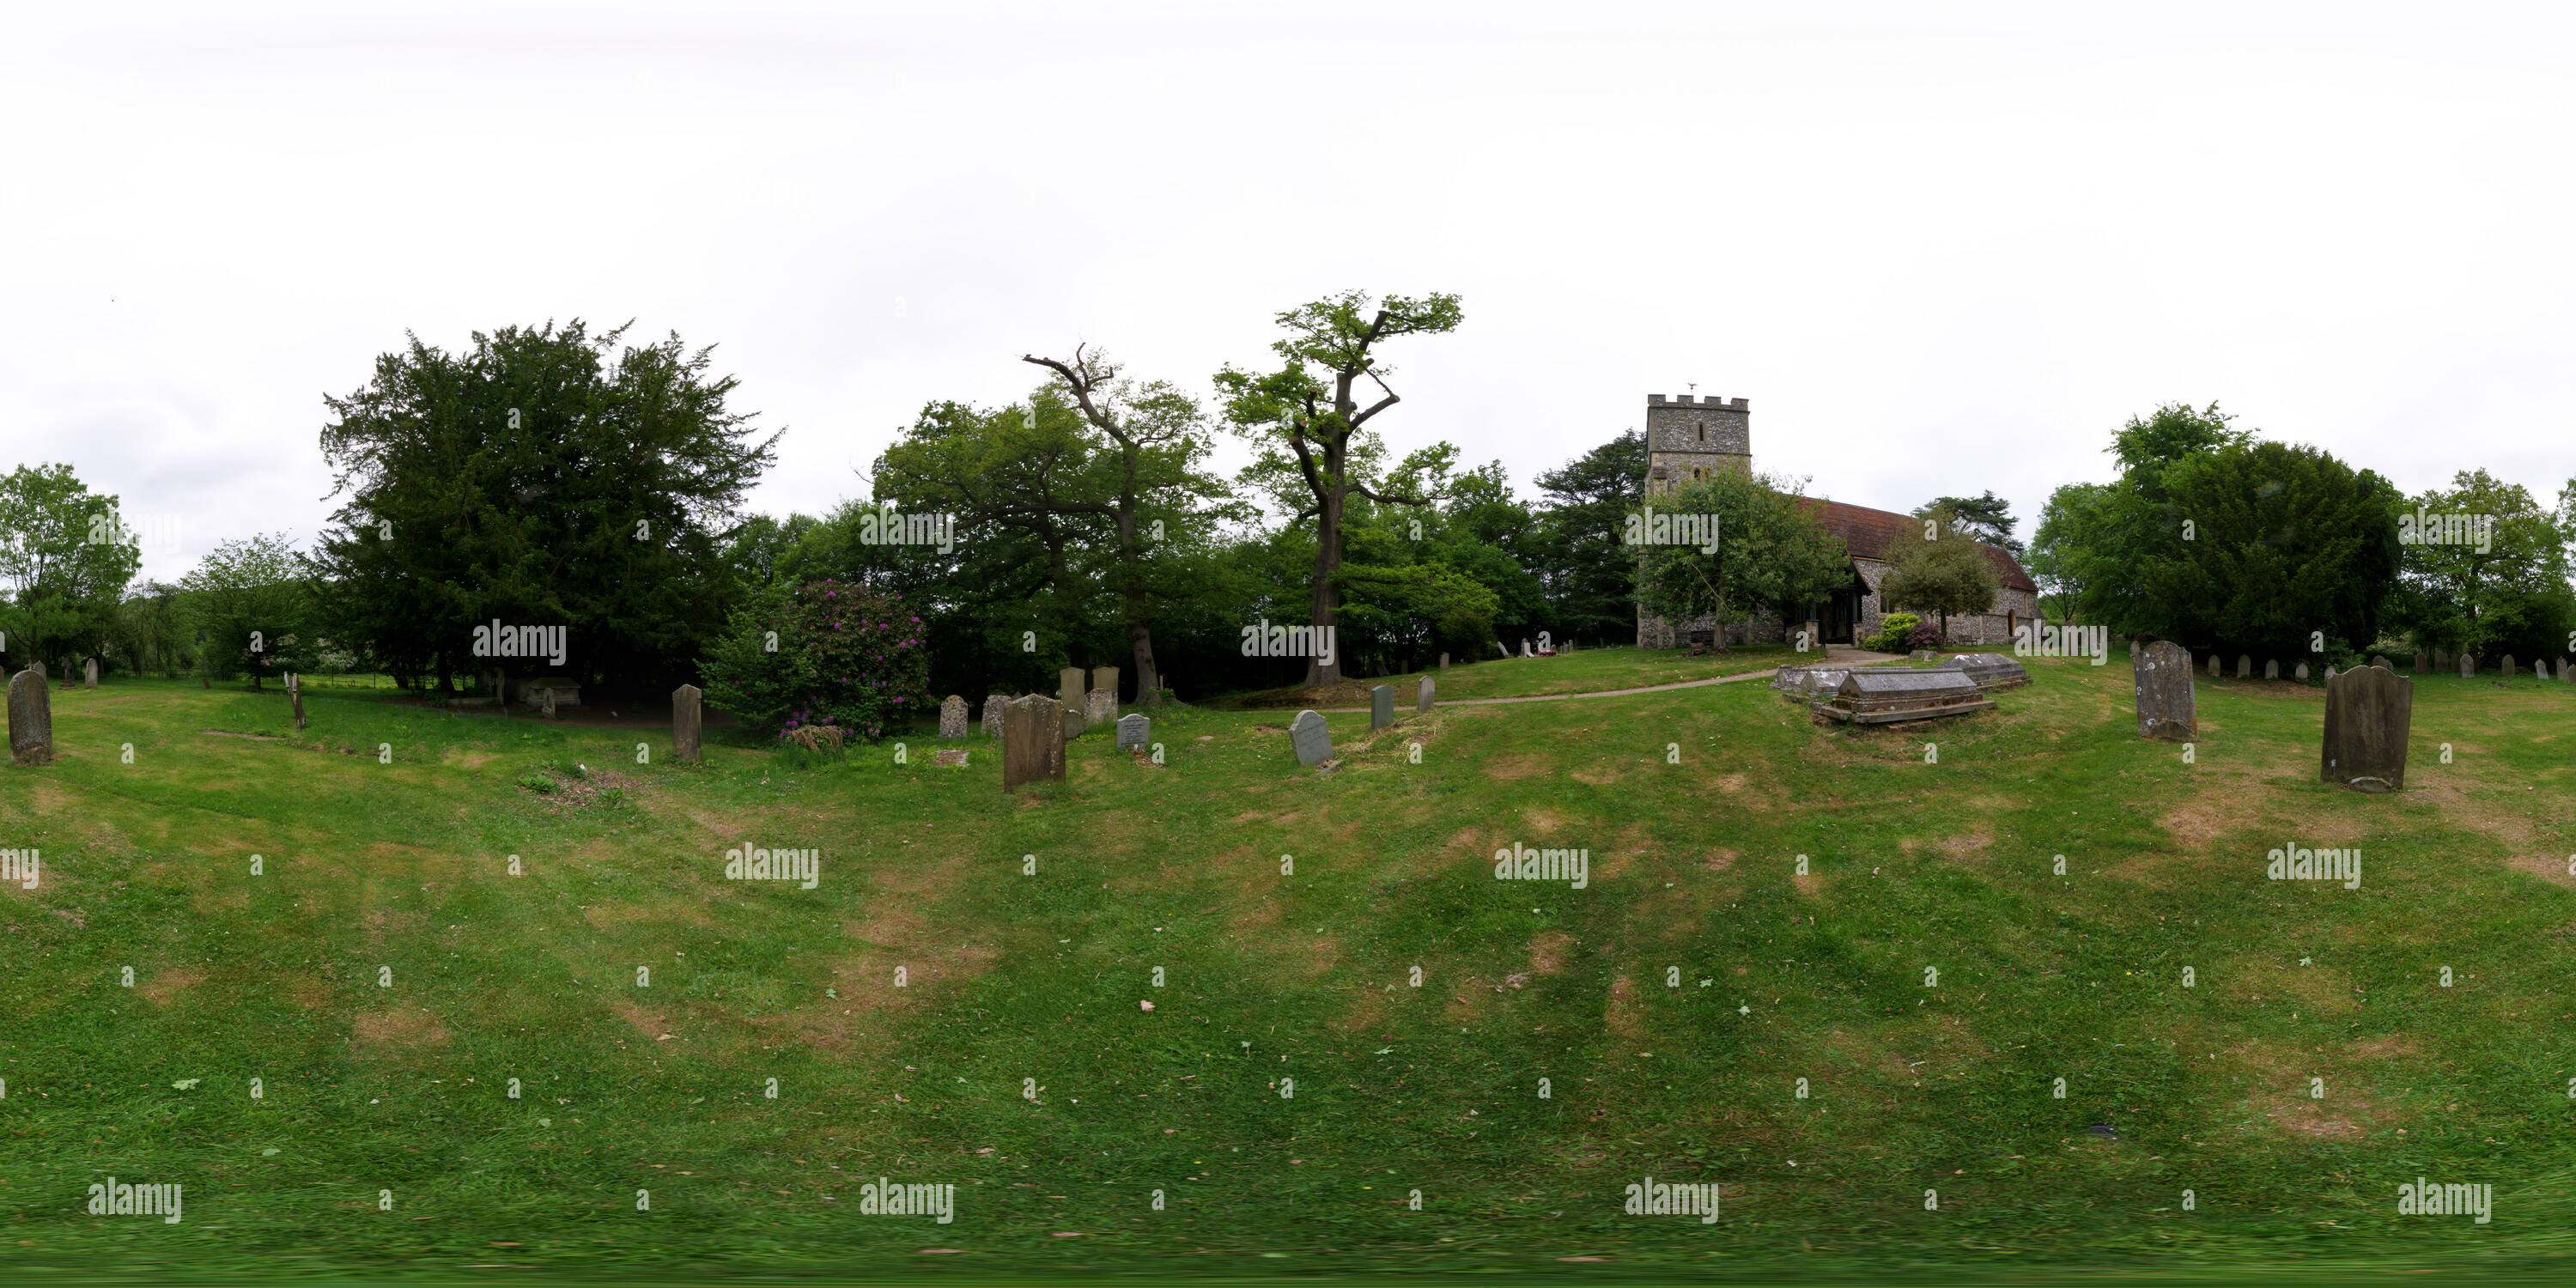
1772,551
825,653
152,629
249,599
1988,518
529,478
1310,409
2287,544
2498,581
65,559
1590,581
1946,572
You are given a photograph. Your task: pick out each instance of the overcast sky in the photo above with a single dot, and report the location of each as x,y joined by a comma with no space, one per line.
1941,248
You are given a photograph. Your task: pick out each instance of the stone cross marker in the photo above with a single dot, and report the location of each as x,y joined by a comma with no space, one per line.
2244,667
1100,706
2272,669
31,718
2508,666
2165,703
1422,695
1381,706
688,718
993,704
1032,741
1307,734
1068,687
952,717
1135,731
2367,713
2301,674
2468,666
89,674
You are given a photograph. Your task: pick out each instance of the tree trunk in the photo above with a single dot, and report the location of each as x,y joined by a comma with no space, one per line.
1147,680
1322,674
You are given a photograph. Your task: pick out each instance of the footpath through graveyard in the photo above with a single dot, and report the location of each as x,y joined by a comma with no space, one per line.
1834,655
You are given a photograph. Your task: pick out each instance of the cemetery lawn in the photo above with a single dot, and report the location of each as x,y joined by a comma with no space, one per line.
1672,1006
1586,671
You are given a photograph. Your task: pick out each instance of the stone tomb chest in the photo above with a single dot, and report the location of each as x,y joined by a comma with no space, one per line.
1886,696
1798,683
1990,670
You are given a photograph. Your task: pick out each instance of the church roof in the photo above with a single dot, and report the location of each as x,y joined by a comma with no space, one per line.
1868,533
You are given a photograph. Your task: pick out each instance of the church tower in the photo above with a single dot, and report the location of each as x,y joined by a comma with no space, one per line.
1690,438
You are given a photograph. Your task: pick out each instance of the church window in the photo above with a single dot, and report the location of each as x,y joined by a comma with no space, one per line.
1703,432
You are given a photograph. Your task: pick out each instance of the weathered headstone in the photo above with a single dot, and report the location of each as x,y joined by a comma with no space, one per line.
1032,740
31,717
1075,725
1444,661
1105,678
2272,668
1525,649
1135,731
952,717
2468,666
205,683
1069,687
2564,675
2165,704
2300,674
1501,650
2244,667
1422,695
949,758
1313,742
2367,713
1381,706
89,674
2330,673
545,696
688,718
2213,666
2540,667
2380,660
2508,666
1099,707
993,704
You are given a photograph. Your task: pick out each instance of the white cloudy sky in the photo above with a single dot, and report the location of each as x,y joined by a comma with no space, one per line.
1940,251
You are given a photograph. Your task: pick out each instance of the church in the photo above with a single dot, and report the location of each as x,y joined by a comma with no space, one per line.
1691,438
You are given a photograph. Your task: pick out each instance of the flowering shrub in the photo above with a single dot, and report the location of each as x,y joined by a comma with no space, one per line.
849,658
1924,635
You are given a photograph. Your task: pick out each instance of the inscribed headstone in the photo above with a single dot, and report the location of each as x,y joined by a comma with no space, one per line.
1032,741
2301,674
2213,666
952,717
1135,731
1099,707
1106,677
2508,666
1075,724
2272,668
2166,709
1422,695
31,717
949,758
1444,661
2367,713
1068,687
687,718
2244,667
2468,666
993,704
89,674
1381,706
1313,742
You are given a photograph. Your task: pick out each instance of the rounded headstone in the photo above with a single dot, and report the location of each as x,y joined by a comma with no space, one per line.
1307,735
952,717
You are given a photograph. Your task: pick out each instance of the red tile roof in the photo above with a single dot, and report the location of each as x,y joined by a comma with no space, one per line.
1868,533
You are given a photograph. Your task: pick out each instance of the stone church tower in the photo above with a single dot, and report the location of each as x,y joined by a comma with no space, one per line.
1688,438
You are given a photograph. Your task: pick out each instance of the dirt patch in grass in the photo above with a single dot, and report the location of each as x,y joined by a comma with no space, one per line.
373,1033
166,985
2547,869
1968,848
1548,950
1515,768
2213,815
1621,1015
2320,990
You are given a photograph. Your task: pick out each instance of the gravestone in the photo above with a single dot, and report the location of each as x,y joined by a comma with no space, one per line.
949,758
2508,666
2330,673
1106,678
1068,687
2381,661
204,683
1381,706
1990,670
295,700
2540,667
31,717
1099,707
2563,675
1500,650
1307,734
2301,675
1525,649
545,695
2468,666
2272,668
1075,725
1032,741
1135,731
687,720
89,674
2244,667
1422,695
2165,702
952,717
2213,666
2367,713
1444,661
993,704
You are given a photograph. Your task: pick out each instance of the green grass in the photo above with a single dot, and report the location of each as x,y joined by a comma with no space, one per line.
1010,977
